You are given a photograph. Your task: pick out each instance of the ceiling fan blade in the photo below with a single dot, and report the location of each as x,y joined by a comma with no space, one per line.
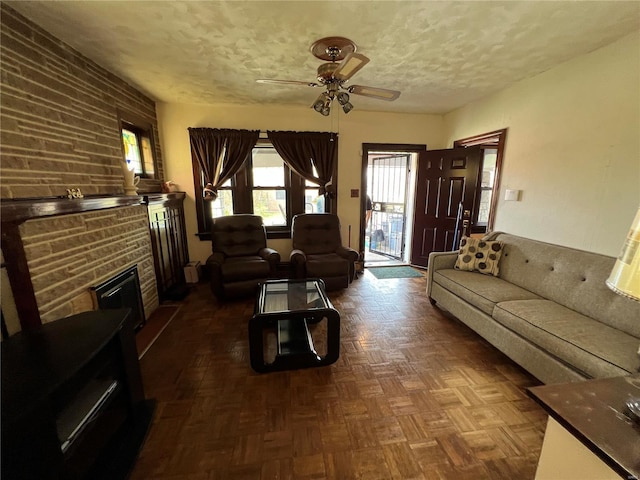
351,64
287,82
379,93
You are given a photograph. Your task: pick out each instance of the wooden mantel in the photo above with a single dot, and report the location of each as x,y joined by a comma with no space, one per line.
18,211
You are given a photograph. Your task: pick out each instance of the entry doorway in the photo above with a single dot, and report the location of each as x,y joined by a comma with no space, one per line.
388,181
479,220
446,191
467,177
387,178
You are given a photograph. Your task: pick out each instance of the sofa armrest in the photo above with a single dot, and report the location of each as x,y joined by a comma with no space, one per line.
439,261
352,256
216,258
298,260
348,253
271,256
214,268
442,260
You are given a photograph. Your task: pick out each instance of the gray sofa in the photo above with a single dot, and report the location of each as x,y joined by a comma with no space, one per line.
549,309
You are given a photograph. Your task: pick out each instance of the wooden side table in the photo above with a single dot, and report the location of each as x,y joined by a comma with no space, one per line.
591,414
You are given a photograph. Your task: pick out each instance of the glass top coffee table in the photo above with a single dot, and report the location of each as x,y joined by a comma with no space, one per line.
294,314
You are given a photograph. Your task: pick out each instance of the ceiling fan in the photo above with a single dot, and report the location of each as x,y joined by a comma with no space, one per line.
334,76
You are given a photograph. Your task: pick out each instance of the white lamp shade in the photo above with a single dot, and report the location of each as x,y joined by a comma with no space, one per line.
625,276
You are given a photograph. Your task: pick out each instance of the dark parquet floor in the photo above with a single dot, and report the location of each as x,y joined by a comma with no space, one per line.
414,395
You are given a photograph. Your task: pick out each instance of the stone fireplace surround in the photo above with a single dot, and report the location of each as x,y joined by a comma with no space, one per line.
56,250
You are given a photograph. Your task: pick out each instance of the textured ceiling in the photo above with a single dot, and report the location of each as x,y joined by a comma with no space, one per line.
441,55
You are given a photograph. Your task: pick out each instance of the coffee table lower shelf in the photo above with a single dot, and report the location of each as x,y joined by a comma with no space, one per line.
295,347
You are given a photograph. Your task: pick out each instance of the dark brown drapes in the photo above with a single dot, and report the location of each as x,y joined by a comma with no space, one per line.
220,153
304,150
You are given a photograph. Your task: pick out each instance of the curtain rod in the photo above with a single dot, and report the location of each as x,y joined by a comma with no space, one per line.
263,133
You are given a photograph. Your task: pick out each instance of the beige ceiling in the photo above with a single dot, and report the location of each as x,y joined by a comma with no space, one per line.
441,55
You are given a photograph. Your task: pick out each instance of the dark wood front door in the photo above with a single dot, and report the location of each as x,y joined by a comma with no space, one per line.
443,180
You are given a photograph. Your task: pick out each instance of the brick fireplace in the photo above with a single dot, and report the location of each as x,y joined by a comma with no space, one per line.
55,253
69,254
61,115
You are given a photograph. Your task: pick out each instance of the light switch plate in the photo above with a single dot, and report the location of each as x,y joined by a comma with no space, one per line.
512,195
355,192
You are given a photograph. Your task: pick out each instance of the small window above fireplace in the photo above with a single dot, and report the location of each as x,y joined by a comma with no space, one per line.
138,145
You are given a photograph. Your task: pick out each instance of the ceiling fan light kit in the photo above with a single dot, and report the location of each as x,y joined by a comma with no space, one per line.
334,76
323,104
343,99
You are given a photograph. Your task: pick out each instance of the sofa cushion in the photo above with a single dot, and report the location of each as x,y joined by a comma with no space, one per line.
592,347
570,277
482,291
479,255
244,268
326,265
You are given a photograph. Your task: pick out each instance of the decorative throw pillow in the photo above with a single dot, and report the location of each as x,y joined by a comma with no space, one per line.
479,255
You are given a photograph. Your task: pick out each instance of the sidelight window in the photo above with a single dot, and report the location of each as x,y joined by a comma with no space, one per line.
488,176
492,144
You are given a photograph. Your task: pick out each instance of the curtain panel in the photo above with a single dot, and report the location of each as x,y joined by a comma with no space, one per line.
220,153
301,151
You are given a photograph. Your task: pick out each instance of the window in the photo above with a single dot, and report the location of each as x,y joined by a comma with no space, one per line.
487,181
137,143
223,205
493,143
265,186
269,189
313,203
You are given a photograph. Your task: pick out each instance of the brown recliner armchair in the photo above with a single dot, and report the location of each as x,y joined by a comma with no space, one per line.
240,258
318,251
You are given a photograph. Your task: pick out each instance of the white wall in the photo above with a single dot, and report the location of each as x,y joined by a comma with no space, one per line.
573,148
356,128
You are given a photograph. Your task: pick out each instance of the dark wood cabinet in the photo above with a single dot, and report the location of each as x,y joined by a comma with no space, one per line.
73,404
169,241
